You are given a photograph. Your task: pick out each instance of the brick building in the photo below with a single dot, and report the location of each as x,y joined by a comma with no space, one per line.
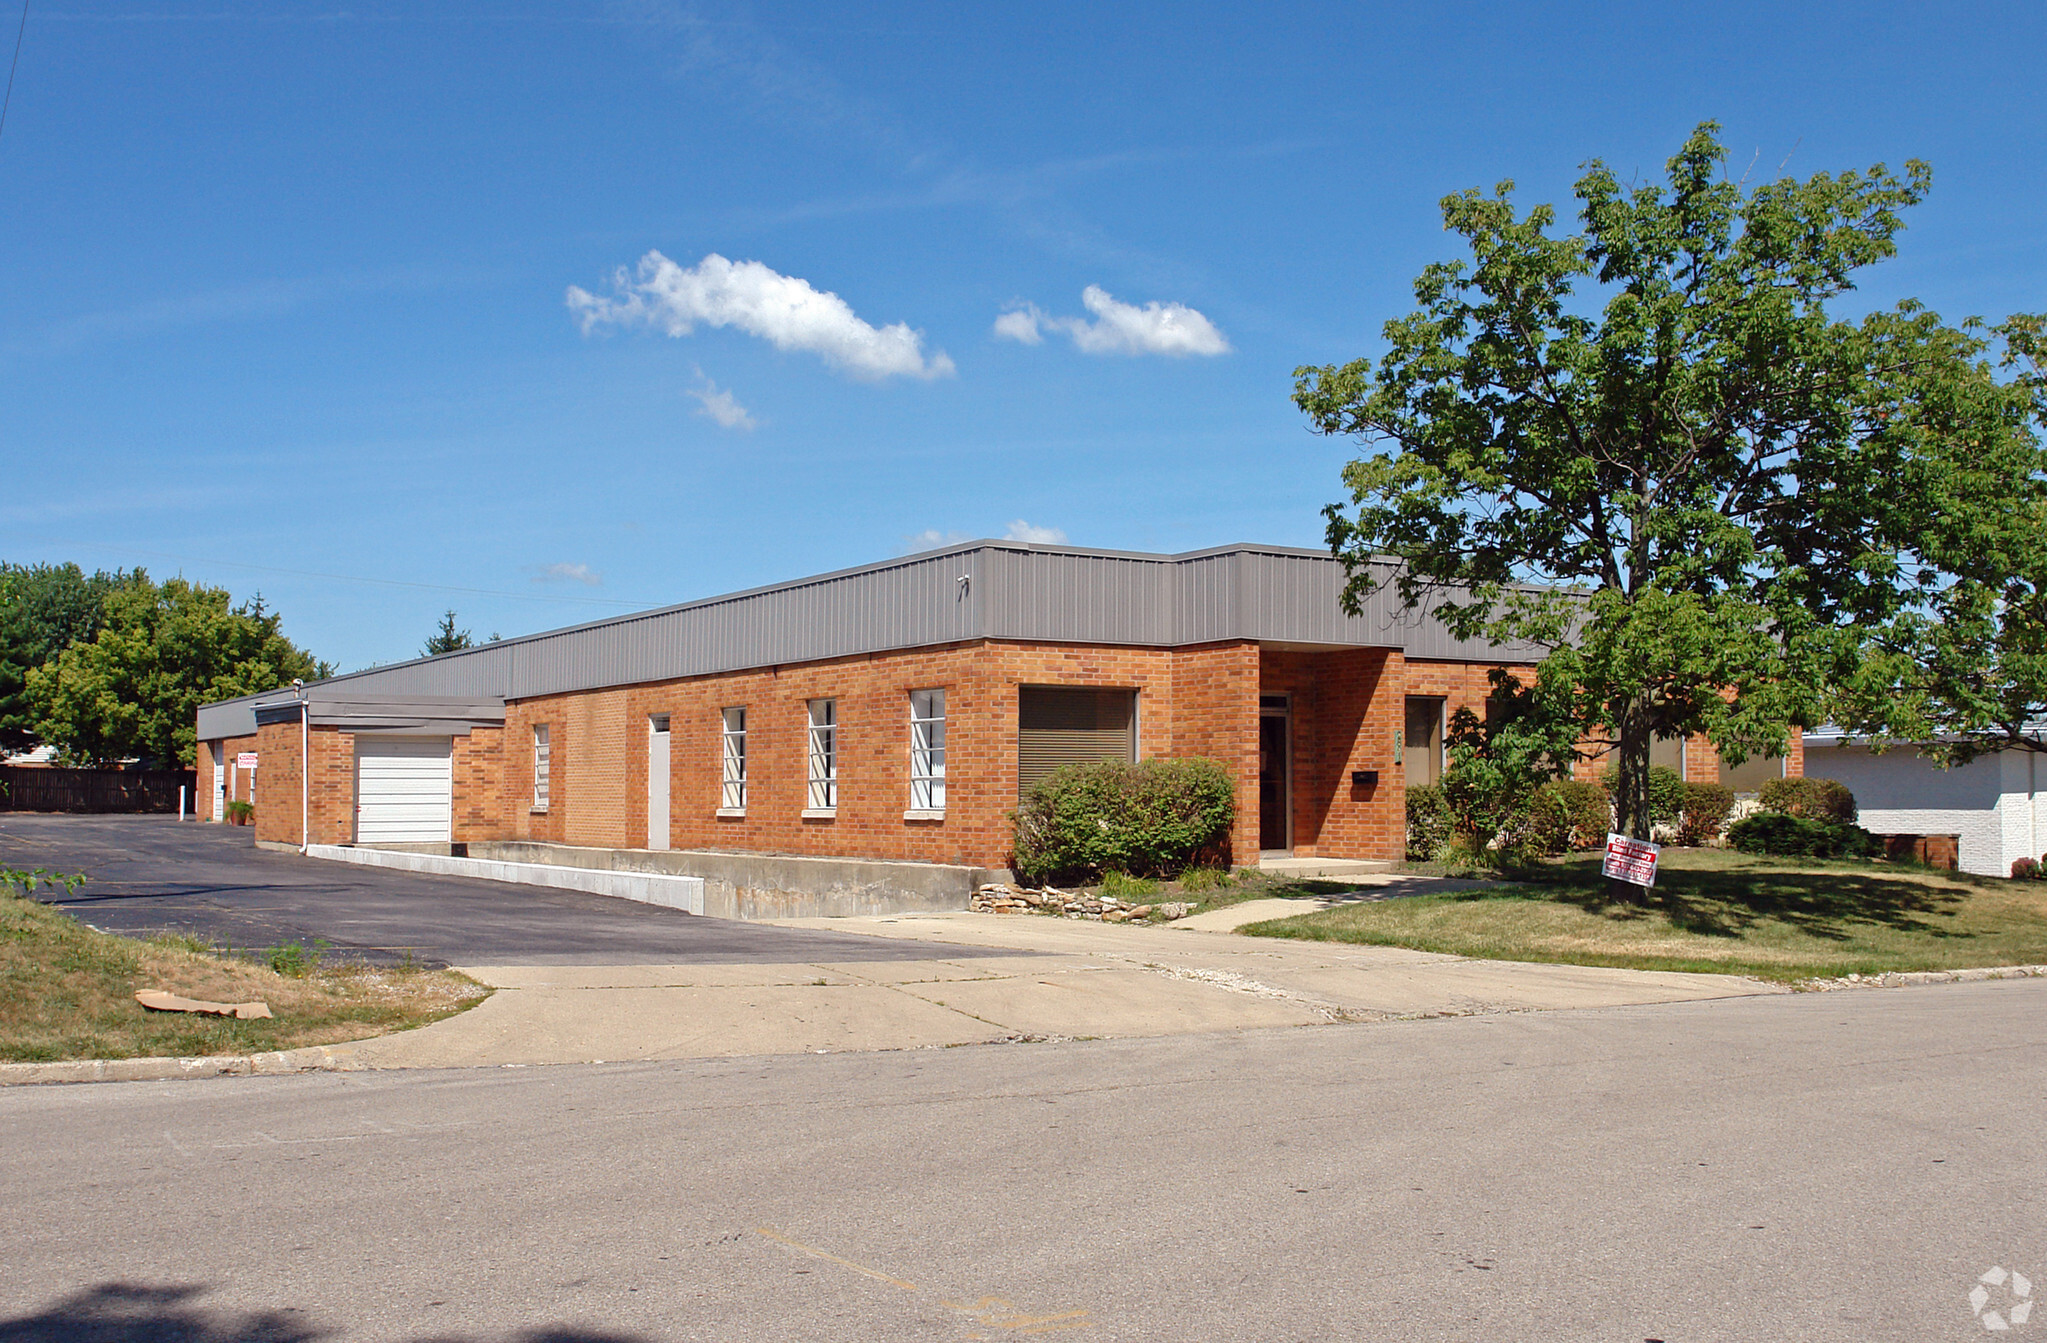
892,712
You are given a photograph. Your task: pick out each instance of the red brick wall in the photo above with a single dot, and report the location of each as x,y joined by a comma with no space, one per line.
1190,701
1345,707
238,779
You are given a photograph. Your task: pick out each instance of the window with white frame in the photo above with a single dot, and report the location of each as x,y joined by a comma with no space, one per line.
540,766
824,755
732,772
927,750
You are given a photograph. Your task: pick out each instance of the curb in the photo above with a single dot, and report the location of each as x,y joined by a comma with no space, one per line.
1901,979
276,1063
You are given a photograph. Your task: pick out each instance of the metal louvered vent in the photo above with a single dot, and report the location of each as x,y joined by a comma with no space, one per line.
1060,726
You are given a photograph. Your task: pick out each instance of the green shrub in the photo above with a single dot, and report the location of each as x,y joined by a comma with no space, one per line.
1782,835
1567,816
1428,823
240,811
1153,818
1819,799
1705,810
1666,792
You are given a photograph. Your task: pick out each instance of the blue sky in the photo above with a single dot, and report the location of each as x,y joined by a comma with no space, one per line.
287,288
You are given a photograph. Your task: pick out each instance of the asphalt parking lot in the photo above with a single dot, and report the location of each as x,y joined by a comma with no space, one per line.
154,874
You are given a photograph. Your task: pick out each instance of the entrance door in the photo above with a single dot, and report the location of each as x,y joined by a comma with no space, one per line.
657,781
219,782
1275,829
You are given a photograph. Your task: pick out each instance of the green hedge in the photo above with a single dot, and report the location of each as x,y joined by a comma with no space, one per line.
1704,811
1428,823
1783,835
1568,815
1154,818
1818,799
1666,792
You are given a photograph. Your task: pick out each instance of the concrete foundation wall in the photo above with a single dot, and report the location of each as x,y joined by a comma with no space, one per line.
770,886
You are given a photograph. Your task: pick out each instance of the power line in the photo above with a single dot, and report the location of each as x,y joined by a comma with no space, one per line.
356,578
12,66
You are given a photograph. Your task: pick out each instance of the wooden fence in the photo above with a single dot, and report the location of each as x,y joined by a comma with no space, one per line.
27,788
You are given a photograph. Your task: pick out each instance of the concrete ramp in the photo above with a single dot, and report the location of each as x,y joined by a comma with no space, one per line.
649,888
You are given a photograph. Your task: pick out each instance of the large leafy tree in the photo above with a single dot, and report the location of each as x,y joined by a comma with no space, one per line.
1648,449
44,609
162,650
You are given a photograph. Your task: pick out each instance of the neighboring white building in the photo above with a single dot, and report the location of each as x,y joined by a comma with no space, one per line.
1992,805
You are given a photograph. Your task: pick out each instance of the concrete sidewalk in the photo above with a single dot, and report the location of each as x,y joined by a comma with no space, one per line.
1069,979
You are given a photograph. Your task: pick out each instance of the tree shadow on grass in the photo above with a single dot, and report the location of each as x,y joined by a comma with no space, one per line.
1728,903
121,1312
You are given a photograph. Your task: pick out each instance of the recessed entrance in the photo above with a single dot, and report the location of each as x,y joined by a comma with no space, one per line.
1275,811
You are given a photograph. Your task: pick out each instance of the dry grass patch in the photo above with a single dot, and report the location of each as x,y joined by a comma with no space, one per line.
67,992
1715,910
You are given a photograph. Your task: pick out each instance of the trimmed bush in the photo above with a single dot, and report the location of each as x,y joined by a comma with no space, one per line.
1568,815
1782,835
1818,799
1705,810
1153,818
1428,823
1666,793
2025,869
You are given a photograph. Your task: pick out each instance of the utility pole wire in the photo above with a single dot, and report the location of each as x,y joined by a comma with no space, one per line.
12,66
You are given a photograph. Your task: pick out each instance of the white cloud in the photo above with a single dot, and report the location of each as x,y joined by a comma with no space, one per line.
569,573
720,406
1118,328
780,309
932,539
1020,530
1021,325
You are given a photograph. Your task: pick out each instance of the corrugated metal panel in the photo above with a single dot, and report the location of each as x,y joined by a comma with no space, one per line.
1014,591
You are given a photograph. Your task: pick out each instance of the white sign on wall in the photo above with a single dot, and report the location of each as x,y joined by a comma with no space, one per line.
246,760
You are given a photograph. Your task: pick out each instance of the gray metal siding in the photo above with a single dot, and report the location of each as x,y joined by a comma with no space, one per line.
1014,591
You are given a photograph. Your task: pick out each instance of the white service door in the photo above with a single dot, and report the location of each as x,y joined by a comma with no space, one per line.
219,782
657,782
404,790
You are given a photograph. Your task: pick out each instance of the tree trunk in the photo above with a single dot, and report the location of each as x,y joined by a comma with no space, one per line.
1631,787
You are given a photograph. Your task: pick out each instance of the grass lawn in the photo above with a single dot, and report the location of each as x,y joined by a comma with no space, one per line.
1715,910
67,992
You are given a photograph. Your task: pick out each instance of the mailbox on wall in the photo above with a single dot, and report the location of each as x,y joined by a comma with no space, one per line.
1364,778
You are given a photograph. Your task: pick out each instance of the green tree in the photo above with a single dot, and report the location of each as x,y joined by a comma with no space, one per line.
162,651
1500,760
1964,671
1720,493
447,639
44,609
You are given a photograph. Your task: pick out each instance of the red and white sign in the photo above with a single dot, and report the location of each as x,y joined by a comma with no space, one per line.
246,760
1630,860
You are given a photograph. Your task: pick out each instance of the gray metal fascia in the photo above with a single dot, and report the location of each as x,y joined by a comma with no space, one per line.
1015,590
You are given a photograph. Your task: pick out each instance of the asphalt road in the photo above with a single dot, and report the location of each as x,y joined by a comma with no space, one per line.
151,874
1838,1166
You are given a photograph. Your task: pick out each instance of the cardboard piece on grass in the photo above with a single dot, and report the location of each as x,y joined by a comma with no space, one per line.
156,1000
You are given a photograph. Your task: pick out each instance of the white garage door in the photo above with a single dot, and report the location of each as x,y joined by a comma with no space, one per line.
404,790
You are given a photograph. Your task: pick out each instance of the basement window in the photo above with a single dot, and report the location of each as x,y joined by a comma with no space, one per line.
732,769
927,754
823,798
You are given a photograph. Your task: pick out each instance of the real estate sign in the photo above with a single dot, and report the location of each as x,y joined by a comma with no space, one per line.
246,760
1630,860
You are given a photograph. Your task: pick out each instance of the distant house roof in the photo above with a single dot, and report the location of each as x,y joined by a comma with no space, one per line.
978,590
